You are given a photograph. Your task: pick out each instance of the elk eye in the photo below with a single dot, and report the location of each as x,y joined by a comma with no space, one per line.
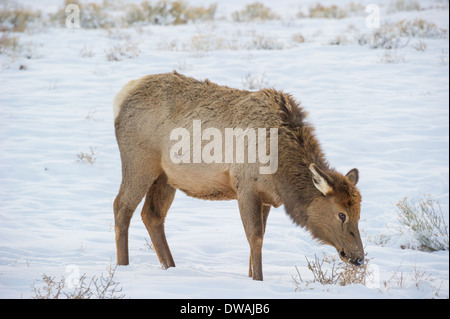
342,217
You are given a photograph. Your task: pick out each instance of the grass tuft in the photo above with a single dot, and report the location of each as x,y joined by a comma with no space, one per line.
87,157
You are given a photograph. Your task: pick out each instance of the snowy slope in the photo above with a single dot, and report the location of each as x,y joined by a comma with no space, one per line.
390,120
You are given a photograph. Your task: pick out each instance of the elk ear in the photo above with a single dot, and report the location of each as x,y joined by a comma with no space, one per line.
320,180
353,176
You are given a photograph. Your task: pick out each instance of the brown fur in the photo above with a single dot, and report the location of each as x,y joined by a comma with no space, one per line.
148,109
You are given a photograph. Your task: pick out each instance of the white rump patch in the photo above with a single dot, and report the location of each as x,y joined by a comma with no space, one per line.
122,94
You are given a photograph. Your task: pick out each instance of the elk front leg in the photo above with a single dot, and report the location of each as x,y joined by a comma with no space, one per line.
250,208
265,213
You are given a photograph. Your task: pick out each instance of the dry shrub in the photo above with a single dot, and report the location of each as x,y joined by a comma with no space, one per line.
103,287
235,41
255,82
419,28
425,222
397,35
168,12
298,38
332,11
420,46
418,278
206,42
92,15
123,50
339,40
263,42
88,157
12,47
383,39
9,45
16,18
402,5
254,12
391,57
86,52
199,13
329,271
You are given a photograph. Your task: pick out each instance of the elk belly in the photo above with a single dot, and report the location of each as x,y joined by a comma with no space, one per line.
210,181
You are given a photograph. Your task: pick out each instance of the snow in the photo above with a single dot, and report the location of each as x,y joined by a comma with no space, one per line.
390,120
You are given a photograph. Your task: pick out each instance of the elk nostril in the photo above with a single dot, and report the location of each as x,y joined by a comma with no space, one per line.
359,262
342,254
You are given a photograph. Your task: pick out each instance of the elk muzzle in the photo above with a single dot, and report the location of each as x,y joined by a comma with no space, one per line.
356,259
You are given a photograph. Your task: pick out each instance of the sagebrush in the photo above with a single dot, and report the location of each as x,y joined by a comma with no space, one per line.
103,287
425,221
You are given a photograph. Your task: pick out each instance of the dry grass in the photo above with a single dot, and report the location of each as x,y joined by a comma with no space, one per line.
103,287
13,48
383,39
92,15
87,52
339,40
391,57
420,46
298,38
254,12
398,35
16,18
264,42
414,277
419,28
254,82
123,50
88,157
206,42
9,45
330,271
403,5
332,12
168,12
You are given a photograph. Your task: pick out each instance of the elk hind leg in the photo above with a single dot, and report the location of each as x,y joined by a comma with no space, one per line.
132,190
265,213
157,202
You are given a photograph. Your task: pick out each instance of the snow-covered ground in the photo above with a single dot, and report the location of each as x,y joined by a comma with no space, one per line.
382,111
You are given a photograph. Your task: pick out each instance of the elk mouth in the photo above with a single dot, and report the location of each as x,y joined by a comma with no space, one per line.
343,256
347,259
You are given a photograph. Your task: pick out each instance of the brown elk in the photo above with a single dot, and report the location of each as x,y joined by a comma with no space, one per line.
315,196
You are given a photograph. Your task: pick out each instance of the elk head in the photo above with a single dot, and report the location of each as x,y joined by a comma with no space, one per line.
333,215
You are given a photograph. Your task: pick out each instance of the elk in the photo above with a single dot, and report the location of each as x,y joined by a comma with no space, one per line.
315,196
